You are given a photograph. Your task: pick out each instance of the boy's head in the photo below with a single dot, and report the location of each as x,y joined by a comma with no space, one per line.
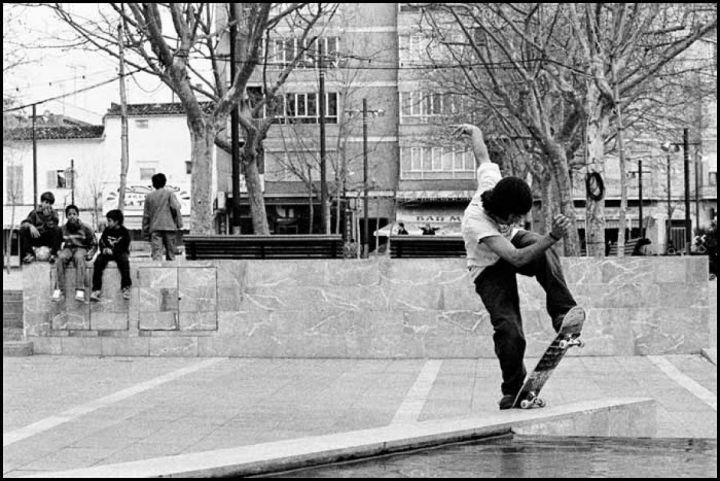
115,217
47,197
509,200
159,180
72,213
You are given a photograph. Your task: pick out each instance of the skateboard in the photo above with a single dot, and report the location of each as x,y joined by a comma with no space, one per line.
566,338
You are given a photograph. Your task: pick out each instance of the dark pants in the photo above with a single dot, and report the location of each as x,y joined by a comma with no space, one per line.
123,263
497,287
51,238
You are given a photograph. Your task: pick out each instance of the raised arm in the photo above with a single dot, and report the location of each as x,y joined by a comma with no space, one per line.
477,142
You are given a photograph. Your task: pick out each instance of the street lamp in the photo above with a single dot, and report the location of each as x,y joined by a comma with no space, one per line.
378,113
666,146
640,172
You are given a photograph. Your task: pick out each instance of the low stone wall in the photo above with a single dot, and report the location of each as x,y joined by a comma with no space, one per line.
380,308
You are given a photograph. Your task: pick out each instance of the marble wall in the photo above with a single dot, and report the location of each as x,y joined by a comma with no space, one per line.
379,308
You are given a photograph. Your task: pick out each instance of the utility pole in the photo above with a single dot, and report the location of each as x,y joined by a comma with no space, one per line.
234,130
365,246
688,225
640,199
668,227
621,151
124,150
72,181
324,214
34,144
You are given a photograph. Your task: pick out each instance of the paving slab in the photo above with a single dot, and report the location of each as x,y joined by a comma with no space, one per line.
65,413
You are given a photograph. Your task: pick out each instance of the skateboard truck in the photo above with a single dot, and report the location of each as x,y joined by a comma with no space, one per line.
568,343
532,401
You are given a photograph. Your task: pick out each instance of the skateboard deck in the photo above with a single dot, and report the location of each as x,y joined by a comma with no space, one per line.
566,338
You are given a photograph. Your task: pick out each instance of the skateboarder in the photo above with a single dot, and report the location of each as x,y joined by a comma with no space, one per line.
497,250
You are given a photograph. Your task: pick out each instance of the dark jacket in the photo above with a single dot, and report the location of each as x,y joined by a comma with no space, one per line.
80,235
43,222
117,239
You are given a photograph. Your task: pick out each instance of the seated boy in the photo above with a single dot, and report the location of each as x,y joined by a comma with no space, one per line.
114,246
79,246
40,228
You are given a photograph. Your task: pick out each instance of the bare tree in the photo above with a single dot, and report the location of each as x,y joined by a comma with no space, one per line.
181,43
547,69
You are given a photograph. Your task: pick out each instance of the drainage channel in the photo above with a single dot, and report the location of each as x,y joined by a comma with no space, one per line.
520,456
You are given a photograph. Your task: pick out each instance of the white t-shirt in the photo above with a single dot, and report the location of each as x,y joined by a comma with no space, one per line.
477,224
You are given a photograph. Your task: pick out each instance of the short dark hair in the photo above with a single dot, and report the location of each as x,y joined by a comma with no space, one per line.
511,195
48,196
116,215
159,180
71,207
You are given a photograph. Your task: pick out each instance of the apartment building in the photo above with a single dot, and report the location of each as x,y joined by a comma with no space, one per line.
416,174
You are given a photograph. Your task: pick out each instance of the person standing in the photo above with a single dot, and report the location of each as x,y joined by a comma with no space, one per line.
497,250
114,246
161,219
79,246
401,229
41,228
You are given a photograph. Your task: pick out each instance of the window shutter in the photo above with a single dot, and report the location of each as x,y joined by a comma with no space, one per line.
51,179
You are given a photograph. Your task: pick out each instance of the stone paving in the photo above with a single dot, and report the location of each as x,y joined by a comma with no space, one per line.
62,412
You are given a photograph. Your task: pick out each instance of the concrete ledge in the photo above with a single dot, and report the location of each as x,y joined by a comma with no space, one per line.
710,355
17,348
616,417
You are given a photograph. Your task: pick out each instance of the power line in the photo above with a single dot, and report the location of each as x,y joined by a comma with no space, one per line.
70,93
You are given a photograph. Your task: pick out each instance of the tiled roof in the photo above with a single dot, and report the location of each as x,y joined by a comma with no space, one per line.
155,109
56,132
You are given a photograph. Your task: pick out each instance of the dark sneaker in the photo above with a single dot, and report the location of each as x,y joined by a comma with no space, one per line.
507,401
51,259
95,296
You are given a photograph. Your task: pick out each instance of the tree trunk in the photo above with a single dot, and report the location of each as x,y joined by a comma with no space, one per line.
594,137
202,138
558,163
255,193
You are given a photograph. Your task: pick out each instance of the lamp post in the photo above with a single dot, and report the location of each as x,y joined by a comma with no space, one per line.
667,146
640,172
379,113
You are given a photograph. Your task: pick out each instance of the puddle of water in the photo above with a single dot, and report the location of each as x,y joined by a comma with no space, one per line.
535,456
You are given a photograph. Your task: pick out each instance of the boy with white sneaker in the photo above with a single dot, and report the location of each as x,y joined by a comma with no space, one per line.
497,250
79,246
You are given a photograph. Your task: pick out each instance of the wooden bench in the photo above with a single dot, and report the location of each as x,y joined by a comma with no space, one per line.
629,247
403,246
314,246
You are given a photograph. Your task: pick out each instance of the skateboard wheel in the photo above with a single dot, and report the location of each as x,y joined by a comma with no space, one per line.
563,344
581,343
524,404
540,403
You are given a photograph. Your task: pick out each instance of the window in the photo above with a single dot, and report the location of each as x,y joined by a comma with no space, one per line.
432,163
421,107
14,184
284,50
303,108
59,179
146,173
188,167
141,123
712,178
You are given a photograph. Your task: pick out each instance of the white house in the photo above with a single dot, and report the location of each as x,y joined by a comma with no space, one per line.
158,141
